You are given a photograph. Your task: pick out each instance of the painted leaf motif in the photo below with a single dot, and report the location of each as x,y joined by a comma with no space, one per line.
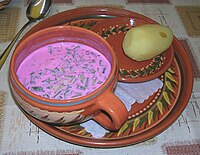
133,73
82,131
169,76
142,120
73,127
155,112
160,106
122,129
166,97
150,117
38,89
171,71
169,86
136,122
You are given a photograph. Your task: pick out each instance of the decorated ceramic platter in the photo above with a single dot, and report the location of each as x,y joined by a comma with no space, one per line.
114,30
146,119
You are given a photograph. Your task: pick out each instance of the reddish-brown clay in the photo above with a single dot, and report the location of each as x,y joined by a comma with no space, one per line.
76,110
134,133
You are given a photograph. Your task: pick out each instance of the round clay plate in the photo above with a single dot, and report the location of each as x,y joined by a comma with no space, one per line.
114,30
145,120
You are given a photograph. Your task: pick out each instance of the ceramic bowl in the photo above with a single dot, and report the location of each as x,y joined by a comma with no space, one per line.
101,104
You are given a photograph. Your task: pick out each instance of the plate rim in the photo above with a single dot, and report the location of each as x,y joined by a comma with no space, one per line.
157,73
183,97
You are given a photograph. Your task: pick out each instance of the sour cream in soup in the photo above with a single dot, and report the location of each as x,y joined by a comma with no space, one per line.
64,71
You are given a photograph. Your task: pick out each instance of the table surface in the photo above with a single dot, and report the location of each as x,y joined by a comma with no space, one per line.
20,136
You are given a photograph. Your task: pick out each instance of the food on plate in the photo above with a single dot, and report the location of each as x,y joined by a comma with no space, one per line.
146,41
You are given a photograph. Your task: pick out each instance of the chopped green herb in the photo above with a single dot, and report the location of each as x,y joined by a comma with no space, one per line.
38,89
64,71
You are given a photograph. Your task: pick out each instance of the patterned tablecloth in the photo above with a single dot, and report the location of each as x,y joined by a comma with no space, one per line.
19,136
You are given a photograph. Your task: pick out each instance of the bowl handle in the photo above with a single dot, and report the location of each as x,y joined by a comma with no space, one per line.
113,112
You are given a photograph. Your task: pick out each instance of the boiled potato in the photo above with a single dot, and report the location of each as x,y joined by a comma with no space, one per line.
146,41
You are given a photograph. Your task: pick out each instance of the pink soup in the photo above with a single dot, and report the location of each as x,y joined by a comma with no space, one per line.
64,71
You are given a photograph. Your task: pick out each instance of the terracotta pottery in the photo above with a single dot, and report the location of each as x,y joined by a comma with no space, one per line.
113,31
101,104
139,127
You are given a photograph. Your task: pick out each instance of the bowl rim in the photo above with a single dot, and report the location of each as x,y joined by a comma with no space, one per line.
25,93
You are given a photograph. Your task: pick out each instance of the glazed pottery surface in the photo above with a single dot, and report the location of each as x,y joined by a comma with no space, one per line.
101,104
139,126
114,31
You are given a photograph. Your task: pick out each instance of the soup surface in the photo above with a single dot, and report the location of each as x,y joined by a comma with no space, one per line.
64,71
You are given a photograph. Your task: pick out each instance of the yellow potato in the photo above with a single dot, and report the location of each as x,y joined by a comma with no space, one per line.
146,41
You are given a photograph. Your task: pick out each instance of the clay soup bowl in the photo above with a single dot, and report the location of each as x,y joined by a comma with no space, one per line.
101,104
